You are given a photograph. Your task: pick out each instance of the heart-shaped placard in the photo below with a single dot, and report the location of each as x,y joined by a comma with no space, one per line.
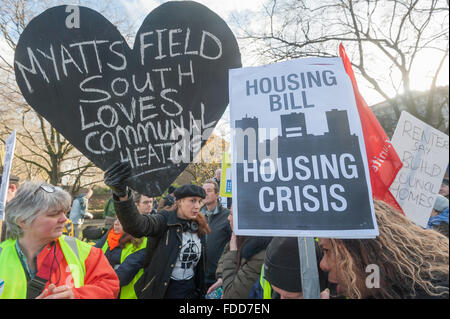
154,105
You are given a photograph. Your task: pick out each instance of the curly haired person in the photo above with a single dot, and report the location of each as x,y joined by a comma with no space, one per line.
412,262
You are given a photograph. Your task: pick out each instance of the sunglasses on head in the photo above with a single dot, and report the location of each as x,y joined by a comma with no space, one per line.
48,188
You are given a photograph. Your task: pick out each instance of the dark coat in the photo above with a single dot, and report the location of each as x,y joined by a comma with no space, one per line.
238,280
215,242
127,270
164,231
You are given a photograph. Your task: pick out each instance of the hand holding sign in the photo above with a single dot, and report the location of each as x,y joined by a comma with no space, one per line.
153,106
115,177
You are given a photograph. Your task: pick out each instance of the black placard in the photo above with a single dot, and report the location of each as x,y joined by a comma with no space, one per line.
116,103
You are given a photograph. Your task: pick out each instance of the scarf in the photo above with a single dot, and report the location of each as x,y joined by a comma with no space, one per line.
113,239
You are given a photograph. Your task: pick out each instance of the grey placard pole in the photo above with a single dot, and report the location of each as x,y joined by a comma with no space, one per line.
308,268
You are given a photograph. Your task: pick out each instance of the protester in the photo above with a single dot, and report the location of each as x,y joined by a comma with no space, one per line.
79,211
224,201
175,256
109,214
217,217
440,203
217,176
155,204
144,204
444,190
405,260
439,218
440,222
169,200
126,255
12,187
281,271
11,192
239,266
68,228
37,261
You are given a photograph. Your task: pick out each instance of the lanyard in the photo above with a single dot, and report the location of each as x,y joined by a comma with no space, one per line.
36,285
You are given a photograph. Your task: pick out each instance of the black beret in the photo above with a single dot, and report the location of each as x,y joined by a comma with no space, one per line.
282,264
189,190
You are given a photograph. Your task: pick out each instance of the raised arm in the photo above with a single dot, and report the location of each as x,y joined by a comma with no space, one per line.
132,221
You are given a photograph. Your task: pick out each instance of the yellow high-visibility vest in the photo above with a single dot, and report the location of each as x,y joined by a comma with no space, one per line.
267,288
12,273
127,292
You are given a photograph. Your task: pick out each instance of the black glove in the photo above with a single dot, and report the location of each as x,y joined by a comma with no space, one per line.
115,177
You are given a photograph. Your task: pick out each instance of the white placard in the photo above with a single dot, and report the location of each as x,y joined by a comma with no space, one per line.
298,152
10,144
424,153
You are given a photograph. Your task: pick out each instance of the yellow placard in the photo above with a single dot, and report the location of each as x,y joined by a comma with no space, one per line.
225,176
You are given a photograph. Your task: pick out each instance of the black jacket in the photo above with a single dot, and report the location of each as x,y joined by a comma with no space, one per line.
164,231
127,270
215,242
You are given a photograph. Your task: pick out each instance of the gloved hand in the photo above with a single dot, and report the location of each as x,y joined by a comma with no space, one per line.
88,215
115,177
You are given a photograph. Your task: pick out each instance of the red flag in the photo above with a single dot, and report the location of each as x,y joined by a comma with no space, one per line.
384,162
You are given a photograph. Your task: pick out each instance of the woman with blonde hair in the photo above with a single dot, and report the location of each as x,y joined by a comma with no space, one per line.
403,262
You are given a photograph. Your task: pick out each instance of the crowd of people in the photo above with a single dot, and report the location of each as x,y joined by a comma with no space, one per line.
184,247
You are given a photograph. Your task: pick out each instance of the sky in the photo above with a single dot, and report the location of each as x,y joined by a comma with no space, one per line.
136,11
139,9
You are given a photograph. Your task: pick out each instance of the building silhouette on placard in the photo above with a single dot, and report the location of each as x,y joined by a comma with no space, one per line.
249,125
294,133
293,125
332,152
337,123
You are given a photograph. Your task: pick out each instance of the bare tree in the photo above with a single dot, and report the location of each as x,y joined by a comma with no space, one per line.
387,42
208,160
42,150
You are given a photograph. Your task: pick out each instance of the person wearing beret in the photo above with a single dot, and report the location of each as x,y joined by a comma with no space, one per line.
174,264
10,193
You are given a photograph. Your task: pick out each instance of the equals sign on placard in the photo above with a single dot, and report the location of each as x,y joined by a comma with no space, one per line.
294,131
